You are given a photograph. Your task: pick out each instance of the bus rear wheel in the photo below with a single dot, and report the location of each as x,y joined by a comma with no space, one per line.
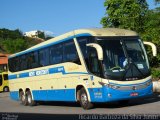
30,100
23,98
85,103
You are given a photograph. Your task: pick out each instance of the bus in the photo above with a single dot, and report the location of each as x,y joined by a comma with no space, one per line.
4,85
86,66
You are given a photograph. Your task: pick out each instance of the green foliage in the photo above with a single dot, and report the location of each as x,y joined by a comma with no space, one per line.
155,73
12,46
126,14
13,34
12,41
41,34
152,34
135,15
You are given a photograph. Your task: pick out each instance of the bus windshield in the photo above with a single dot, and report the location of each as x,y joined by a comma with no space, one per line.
124,58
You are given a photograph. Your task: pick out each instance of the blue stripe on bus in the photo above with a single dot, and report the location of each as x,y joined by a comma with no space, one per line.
50,44
49,95
14,95
96,94
50,71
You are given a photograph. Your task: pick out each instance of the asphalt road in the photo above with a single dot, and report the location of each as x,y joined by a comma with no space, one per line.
139,106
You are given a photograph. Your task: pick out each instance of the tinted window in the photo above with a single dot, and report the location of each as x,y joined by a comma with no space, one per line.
44,57
56,54
11,65
70,52
90,55
16,64
23,62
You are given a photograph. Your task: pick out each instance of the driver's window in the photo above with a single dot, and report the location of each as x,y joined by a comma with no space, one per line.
93,61
89,55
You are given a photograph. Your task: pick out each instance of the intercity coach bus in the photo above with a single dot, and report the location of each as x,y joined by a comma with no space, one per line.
85,66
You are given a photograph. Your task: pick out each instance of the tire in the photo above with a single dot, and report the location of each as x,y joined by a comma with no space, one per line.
30,100
84,100
6,89
23,98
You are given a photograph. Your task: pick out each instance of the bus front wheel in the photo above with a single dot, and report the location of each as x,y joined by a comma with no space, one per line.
85,103
30,100
23,98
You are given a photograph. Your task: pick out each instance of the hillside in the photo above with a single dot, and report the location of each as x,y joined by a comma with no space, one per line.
12,41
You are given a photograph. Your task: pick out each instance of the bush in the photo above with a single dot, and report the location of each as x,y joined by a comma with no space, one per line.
155,73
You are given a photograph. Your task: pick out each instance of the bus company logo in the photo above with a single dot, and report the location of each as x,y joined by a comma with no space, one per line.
60,69
38,73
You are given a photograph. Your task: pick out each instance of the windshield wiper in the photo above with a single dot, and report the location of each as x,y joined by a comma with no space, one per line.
130,66
130,63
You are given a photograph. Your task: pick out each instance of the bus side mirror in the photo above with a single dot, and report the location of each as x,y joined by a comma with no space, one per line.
98,49
154,49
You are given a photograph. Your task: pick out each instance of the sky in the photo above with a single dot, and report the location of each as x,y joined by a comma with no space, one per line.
53,16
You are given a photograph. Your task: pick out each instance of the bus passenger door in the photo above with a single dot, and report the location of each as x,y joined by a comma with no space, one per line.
1,82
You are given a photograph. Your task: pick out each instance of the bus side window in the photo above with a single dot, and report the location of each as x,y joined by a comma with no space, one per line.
11,65
23,62
35,62
70,52
44,57
16,64
56,54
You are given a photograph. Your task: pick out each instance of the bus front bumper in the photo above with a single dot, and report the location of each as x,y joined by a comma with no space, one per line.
107,94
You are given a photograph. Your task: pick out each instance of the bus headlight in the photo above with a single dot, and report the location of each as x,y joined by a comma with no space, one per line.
113,86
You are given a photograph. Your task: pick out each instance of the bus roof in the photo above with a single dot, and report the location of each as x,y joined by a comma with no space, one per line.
80,32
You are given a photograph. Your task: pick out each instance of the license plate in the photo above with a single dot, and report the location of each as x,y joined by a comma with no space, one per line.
134,94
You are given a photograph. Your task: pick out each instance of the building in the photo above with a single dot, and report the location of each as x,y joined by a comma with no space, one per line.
3,62
34,34
31,34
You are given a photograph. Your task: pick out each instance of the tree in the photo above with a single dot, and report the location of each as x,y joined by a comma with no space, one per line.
41,34
128,14
152,33
13,46
157,1
12,41
135,15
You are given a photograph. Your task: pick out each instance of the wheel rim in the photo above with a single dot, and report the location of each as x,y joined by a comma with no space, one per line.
29,99
84,99
5,89
23,97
